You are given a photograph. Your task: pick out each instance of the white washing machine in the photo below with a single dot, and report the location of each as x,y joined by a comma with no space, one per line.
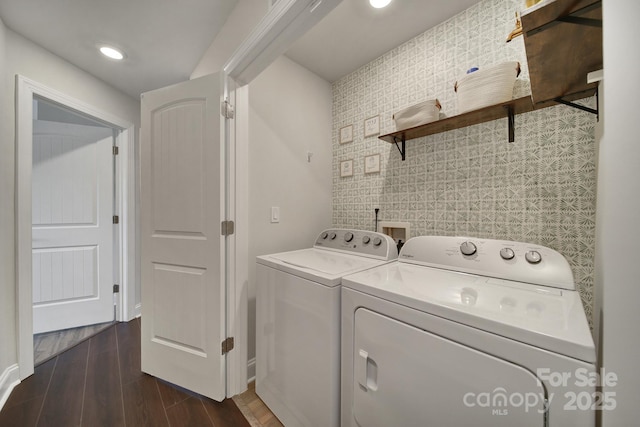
466,332
298,323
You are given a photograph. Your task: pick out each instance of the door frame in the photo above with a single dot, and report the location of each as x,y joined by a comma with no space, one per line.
125,205
284,22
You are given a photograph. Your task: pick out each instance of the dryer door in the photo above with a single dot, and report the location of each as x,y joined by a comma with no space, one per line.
405,376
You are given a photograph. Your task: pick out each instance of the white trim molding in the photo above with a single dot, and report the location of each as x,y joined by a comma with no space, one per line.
251,370
8,380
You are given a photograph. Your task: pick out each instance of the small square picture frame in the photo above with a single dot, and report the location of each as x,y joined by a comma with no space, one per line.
372,126
372,163
346,134
346,168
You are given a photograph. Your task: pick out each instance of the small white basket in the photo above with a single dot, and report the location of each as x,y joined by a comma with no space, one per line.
488,86
419,114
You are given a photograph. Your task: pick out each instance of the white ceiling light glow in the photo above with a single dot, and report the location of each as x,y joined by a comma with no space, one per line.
111,52
378,4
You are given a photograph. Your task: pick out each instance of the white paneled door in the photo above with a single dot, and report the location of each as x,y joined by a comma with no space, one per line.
72,229
182,249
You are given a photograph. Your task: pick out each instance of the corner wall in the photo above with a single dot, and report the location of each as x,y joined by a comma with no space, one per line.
470,181
618,207
289,116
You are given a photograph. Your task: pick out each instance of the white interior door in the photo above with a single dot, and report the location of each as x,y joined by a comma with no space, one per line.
182,250
72,230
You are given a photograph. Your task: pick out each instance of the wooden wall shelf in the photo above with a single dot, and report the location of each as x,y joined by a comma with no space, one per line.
563,41
506,109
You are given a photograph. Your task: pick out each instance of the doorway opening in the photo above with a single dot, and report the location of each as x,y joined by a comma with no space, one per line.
73,239
69,251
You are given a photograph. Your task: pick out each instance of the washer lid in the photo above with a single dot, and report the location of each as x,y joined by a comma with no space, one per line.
320,265
544,317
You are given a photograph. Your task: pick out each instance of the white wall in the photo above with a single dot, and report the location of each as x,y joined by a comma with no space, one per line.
619,204
25,58
289,115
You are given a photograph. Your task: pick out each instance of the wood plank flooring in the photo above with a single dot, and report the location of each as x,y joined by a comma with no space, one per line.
254,409
99,383
50,344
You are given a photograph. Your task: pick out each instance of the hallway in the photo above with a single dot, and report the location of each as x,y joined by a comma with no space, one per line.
99,383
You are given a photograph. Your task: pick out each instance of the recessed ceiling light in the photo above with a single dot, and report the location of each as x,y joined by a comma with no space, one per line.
111,52
379,3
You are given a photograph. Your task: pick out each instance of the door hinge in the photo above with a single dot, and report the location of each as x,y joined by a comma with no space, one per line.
116,219
226,109
227,345
115,150
227,228
116,289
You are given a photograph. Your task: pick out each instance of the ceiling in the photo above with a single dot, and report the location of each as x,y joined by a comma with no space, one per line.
165,39
354,33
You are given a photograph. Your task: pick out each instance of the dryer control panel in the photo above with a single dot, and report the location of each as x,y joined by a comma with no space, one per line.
358,242
522,262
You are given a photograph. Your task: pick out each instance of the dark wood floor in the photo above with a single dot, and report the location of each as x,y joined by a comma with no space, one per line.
99,383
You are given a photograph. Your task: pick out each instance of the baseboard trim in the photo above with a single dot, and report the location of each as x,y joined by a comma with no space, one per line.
251,370
137,310
8,380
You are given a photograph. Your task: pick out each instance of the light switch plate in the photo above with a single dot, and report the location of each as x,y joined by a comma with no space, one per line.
275,214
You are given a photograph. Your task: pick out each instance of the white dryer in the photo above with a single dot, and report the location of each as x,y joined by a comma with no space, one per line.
466,332
298,323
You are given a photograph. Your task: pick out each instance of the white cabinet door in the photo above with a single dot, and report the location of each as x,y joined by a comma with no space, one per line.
72,229
182,250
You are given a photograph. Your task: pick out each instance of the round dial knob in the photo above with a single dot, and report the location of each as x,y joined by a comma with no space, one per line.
533,257
468,248
507,253
366,240
332,236
348,236
324,235
377,241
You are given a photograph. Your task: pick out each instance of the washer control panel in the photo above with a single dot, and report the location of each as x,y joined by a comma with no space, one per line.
358,242
517,261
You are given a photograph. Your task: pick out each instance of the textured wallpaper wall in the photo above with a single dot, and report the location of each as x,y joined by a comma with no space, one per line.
471,181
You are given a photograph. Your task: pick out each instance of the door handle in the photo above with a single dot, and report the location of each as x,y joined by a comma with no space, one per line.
366,371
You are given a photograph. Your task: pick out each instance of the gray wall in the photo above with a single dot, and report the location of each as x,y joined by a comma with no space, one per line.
25,58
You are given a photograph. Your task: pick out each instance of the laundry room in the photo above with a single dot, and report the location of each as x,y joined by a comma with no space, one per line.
538,186
317,154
